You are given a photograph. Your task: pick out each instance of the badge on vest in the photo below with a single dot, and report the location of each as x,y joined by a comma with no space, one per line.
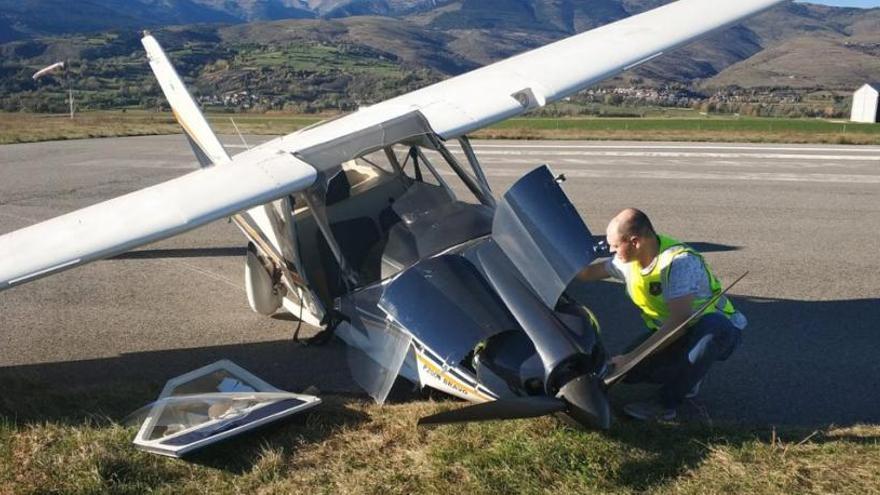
655,288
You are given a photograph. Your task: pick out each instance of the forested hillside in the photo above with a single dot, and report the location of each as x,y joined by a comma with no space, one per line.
323,54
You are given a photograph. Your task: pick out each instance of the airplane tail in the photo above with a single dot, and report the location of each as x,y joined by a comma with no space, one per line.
201,137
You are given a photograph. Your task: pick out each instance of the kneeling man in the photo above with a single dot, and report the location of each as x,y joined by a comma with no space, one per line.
667,280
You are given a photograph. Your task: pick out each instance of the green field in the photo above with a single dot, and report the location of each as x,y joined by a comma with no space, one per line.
695,125
714,128
26,127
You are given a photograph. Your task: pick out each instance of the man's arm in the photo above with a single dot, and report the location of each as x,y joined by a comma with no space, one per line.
596,271
687,281
680,309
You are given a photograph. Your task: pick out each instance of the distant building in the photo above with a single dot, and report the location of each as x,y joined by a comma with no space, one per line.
865,104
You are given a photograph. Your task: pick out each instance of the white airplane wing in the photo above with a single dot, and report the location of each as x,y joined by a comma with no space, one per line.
148,215
271,171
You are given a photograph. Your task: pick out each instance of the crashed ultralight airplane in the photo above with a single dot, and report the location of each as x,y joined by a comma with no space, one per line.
352,227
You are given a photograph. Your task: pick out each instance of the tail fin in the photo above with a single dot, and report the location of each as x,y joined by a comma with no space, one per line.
204,142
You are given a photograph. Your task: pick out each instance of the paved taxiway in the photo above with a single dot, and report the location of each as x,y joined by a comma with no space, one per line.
803,220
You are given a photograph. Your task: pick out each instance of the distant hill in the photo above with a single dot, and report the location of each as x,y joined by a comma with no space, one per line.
808,46
341,53
20,19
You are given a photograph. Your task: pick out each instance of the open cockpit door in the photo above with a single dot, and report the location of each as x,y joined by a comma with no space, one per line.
210,404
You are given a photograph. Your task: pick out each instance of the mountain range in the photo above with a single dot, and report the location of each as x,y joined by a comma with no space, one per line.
21,19
795,45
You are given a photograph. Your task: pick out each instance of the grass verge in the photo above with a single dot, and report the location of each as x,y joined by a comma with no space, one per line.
29,128
349,446
716,129
22,128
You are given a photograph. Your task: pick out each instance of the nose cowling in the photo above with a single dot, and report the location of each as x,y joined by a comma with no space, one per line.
587,401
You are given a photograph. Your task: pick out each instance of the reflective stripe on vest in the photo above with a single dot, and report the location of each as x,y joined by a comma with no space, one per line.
646,290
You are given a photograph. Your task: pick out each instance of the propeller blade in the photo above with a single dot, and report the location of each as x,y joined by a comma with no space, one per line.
587,402
516,408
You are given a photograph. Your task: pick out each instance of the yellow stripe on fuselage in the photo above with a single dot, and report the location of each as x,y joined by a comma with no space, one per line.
451,381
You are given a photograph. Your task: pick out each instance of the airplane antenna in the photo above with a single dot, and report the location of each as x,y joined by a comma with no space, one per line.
239,134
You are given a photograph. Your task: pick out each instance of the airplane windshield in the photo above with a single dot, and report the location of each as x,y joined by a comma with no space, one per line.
430,167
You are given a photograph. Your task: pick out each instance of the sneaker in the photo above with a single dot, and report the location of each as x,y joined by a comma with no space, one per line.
694,391
649,411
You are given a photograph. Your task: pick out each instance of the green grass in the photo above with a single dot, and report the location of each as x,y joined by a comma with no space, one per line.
349,446
23,127
696,125
720,129
54,439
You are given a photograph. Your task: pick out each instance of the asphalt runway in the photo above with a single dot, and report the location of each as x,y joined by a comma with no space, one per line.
803,220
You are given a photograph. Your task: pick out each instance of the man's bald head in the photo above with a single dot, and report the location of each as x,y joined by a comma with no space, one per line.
632,223
631,237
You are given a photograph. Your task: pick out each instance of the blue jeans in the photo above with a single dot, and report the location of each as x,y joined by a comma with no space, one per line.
679,367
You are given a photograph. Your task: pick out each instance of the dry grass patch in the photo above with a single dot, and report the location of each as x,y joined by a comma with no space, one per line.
822,462
681,136
54,458
23,127
27,128
385,453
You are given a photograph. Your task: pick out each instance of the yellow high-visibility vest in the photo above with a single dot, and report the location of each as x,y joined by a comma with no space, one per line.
646,290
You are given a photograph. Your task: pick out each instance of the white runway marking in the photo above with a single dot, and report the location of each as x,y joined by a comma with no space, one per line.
705,164
677,175
851,149
669,154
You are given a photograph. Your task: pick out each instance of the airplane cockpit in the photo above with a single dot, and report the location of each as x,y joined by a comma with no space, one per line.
382,210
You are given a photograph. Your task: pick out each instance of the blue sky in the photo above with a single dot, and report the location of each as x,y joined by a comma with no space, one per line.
849,3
